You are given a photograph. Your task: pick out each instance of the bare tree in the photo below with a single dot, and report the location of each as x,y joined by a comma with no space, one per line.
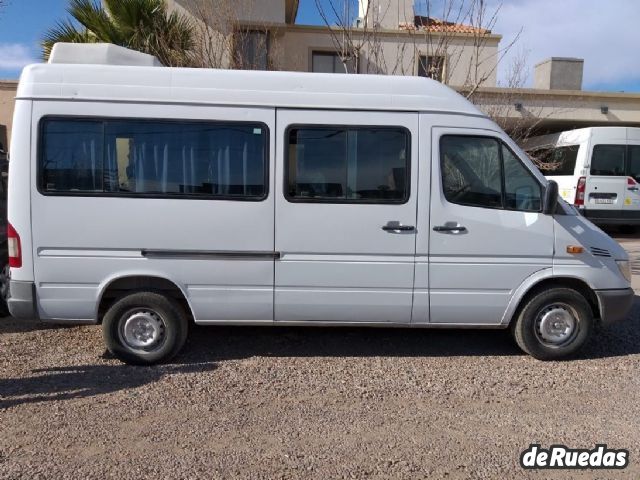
225,40
349,40
455,34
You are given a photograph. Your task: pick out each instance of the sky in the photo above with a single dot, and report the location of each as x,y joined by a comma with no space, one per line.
606,34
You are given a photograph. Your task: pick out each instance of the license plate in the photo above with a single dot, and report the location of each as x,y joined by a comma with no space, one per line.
604,200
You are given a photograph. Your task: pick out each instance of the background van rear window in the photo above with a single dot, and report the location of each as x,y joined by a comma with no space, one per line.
608,160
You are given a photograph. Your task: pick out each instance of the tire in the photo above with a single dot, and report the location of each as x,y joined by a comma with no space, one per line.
4,291
553,324
145,328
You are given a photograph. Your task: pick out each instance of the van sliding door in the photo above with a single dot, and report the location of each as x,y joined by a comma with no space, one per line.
345,216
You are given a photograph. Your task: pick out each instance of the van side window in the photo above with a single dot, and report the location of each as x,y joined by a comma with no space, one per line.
154,158
608,160
471,172
557,161
521,190
347,164
484,172
72,156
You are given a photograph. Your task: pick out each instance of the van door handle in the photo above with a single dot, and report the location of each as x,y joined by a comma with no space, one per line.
394,227
450,228
633,189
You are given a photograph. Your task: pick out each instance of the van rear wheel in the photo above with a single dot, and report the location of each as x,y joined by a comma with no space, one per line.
553,324
145,328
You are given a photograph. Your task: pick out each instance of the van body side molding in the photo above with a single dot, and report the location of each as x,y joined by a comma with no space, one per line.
210,254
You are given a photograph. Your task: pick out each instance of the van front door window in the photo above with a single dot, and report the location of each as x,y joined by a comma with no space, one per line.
484,172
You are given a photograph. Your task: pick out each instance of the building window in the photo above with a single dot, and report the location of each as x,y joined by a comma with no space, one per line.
331,164
431,66
152,158
330,62
251,50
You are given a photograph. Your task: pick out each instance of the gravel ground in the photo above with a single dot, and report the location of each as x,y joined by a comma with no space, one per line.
311,403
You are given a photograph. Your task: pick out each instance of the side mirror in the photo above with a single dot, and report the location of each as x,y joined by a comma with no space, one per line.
550,198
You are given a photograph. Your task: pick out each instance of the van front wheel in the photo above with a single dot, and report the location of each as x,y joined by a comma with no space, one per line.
553,324
145,328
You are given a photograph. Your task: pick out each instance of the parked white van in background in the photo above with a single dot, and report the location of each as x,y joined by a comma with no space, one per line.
597,170
145,198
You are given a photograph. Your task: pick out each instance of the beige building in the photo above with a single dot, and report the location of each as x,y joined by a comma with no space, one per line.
7,95
557,102
386,38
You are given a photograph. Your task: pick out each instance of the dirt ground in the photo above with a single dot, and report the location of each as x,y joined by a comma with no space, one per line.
311,403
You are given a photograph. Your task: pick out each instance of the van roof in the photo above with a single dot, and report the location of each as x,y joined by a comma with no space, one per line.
579,135
152,84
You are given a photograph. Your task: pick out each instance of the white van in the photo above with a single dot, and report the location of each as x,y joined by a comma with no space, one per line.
145,198
597,169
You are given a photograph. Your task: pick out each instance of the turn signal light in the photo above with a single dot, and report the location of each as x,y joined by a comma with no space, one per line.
574,249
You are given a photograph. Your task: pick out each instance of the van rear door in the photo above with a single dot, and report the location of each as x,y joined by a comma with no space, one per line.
607,183
345,216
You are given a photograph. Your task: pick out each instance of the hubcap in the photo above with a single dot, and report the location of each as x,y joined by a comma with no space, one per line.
142,329
556,324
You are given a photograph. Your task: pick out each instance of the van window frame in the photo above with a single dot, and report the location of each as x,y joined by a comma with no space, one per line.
346,201
161,196
501,143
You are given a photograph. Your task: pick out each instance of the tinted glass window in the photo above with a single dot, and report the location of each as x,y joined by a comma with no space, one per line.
329,62
72,156
633,167
348,164
557,161
252,50
471,172
155,158
522,190
608,160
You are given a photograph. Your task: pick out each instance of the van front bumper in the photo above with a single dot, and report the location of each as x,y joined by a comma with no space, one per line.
614,304
22,300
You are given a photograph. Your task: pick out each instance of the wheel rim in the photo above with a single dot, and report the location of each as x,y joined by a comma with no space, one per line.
142,330
556,324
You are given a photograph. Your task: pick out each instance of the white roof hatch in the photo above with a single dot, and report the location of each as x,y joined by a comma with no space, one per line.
100,54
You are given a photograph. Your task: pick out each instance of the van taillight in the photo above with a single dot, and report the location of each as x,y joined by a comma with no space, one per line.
631,182
14,247
582,186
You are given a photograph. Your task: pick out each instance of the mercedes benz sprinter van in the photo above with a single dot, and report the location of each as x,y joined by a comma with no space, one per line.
145,198
597,170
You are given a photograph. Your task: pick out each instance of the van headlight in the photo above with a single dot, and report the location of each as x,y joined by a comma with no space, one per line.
625,269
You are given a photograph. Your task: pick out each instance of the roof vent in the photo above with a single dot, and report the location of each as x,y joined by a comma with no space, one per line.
100,54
